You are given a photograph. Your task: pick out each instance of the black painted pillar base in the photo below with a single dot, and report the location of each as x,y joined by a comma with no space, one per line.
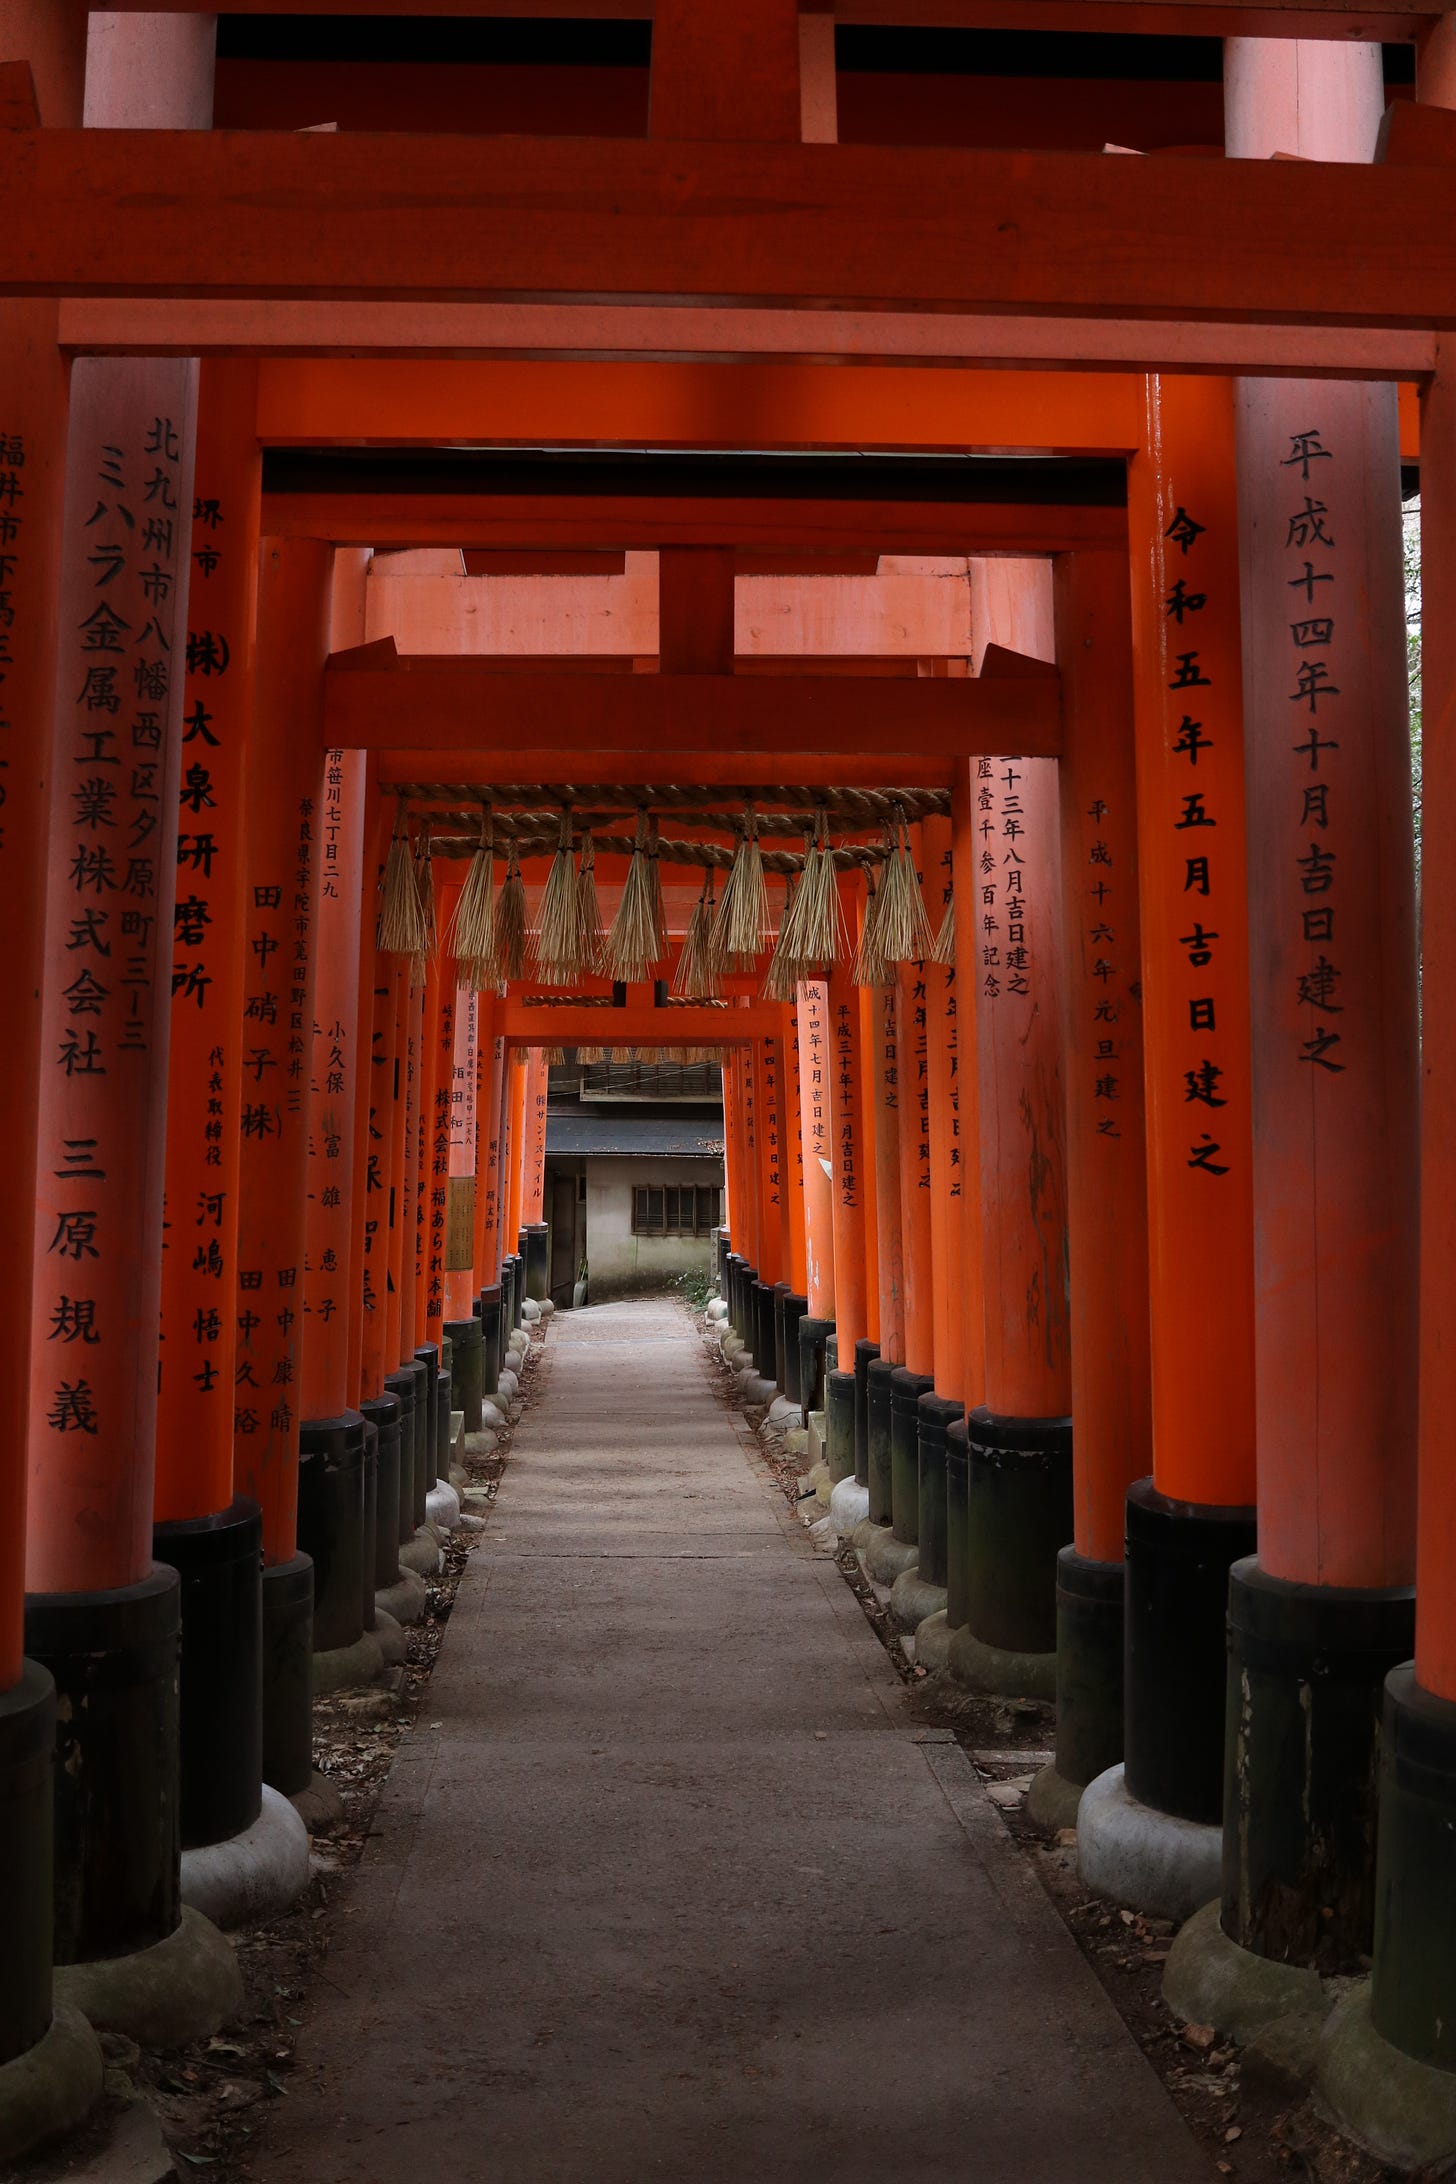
383,1413
218,1560
427,1453
906,1389
367,1615
813,1337
444,1404
747,1296
1413,1983
1307,1666
780,1371
490,1339
508,1308
879,1376
401,1386
1018,1515
1177,1575
795,1306
865,1353
467,1369
957,1554
116,1843
537,1249
763,1330
1090,1610
331,1524
732,1262
839,1426
27,1756
936,1414
518,1288
287,1595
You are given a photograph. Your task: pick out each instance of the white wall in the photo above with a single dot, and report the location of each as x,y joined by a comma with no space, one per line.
619,1262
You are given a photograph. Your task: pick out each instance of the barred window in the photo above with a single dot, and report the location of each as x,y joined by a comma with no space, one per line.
676,1209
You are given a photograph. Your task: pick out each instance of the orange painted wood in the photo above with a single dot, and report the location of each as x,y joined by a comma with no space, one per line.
738,769
695,610
370,1027
725,72
107,982
732,1184
460,1283
396,1123
201,1379
815,1071
867,1007
1436,1539
1333,982
534,1203
411,1204
752,1197
487,1140
376,1282
916,1185
336,1058
309,402
949,1169
34,430
434,703
885,1121
284,844
796,1270
847,1152
967,882
654,521
441,989
770,1140
340,214
1194,921
1106,1148
1019,1037
520,1063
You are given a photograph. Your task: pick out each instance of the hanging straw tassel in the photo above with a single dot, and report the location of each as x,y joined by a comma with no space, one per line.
654,874
744,925
555,1057
425,883
870,967
592,931
510,921
812,937
903,933
780,977
944,950
472,935
558,950
633,943
696,976
401,930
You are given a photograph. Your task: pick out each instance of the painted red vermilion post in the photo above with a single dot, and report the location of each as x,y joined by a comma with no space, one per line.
538,1240
884,1112
285,796
815,1072
922,1593
769,1180
101,1615
914,1375
474,1014
209,1534
1106,1166
1019,1456
488,1200
1326,1609
1187,1523
848,1148
33,414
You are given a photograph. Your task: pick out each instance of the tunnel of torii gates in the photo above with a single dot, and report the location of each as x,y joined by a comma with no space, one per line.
1074,1159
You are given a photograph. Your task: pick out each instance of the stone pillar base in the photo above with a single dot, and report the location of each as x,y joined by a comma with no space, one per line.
1211,1980
849,1506
913,1598
52,2088
999,1672
1402,2110
183,1988
932,1642
254,1874
1148,1860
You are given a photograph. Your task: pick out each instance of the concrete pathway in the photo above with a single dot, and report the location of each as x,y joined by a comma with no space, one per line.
668,1884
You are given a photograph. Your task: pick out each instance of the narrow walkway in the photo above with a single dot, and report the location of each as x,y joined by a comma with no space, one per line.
667,1884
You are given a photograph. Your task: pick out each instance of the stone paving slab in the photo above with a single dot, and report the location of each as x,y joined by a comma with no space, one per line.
677,1889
